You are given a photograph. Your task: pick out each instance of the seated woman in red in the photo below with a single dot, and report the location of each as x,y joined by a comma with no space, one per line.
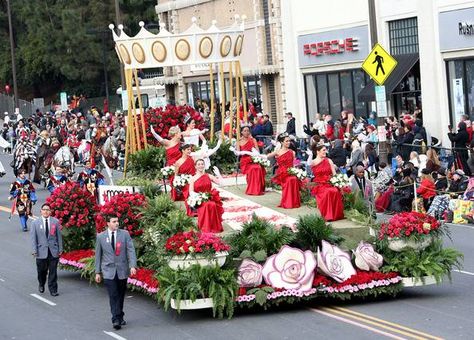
254,173
328,198
184,165
285,157
210,212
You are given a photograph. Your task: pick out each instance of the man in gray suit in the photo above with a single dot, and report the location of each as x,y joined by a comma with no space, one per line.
47,244
115,259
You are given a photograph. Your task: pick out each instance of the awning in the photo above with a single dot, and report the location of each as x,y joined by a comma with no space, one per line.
405,63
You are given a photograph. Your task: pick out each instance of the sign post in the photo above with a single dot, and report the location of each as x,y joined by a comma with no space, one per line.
379,64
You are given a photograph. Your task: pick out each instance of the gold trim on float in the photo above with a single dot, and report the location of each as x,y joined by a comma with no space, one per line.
238,45
205,47
118,54
125,55
182,49
138,53
226,45
158,49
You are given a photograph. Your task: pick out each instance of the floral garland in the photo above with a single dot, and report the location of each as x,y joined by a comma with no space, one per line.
74,260
144,280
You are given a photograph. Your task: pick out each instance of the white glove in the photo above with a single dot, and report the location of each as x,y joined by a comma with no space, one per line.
255,152
216,171
157,136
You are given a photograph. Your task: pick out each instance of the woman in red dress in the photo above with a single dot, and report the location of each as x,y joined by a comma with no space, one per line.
285,157
255,173
210,212
328,197
184,165
172,147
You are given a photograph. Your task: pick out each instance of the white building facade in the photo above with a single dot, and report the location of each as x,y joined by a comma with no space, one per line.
325,43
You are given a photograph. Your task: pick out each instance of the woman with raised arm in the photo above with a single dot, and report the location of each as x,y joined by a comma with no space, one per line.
290,184
255,173
172,145
191,135
328,197
183,166
210,212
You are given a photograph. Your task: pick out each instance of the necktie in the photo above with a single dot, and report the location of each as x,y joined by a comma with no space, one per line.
46,225
113,240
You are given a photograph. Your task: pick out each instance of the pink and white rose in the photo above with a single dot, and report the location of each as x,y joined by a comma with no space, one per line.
291,268
366,258
334,262
250,274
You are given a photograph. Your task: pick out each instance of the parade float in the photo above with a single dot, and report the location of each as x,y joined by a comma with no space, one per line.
270,258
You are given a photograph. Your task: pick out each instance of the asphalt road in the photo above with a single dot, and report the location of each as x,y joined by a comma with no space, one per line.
81,310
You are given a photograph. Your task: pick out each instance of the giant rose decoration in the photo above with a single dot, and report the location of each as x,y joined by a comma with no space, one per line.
250,274
366,258
334,262
291,268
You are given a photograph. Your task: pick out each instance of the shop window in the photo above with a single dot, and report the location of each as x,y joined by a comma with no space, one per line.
347,92
458,82
358,80
470,87
403,35
322,91
334,95
311,97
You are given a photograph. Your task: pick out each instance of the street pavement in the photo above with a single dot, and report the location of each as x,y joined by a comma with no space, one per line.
81,310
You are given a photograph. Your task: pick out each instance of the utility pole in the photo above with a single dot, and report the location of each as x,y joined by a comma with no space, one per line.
12,49
117,20
383,150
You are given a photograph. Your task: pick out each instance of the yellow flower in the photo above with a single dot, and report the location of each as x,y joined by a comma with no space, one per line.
426,226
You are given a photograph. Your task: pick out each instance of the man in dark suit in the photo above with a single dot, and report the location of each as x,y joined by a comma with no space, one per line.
47,244
115,259
290,126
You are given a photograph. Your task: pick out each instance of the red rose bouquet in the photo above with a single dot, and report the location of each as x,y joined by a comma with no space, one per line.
127,208
164,118
192,242
409,225
75,209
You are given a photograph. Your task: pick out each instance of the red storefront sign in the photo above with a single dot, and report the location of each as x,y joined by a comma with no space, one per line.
331,47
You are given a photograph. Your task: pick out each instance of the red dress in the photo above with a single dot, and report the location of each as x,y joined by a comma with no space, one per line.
172,154
328,197
290,185
187,168
254,173
210,212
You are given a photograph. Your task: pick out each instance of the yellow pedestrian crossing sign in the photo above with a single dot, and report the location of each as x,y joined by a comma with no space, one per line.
379,64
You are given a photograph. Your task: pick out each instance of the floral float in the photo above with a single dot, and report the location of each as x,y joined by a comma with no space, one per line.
366,258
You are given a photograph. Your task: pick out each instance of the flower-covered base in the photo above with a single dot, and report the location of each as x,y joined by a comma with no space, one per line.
189,304
186,261
362,284
418,281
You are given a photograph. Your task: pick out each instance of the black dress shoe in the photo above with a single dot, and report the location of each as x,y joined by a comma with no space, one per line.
116,325
41,289
54,293
123,322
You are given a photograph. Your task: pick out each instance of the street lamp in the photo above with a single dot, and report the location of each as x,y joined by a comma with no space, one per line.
12,49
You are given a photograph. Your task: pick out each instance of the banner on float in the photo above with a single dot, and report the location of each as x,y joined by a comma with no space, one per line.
108,191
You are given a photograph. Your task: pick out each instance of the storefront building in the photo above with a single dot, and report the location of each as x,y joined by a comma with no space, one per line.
433,42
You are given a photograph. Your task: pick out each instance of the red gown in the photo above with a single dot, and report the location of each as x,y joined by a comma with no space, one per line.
187,168
210,212
254,173
290,185
172,155
328,197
